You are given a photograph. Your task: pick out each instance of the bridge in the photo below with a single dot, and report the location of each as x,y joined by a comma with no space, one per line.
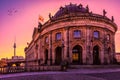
16,62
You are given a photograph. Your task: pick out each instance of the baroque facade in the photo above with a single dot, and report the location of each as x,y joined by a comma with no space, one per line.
73,34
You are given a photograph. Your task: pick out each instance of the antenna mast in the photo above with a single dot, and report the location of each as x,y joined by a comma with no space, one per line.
14,46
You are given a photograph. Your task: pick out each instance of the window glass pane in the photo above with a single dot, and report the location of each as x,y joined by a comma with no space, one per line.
75,56
46,39
96,34
77,33
108,37
58,36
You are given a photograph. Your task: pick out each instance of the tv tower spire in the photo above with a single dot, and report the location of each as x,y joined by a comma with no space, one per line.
14,46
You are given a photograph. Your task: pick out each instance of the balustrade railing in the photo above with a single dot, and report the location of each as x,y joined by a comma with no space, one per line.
6,70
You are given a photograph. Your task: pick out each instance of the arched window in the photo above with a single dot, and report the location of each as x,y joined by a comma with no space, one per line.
77,34
58,36
96,34
108,37
46,39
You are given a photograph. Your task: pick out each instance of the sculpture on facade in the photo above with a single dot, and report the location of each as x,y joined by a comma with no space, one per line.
104,12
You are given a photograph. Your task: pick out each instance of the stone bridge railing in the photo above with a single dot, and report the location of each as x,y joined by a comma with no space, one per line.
6,70
43,68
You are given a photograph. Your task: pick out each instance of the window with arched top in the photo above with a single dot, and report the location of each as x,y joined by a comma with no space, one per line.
96,34
58,36
46,39
108,37
77,33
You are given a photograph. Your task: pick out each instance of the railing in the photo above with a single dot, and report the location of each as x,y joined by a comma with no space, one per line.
43,68
6,70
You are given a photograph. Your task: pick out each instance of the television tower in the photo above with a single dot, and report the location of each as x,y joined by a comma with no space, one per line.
14,46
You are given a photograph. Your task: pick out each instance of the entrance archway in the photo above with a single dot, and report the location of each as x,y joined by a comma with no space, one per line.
96,59
58,55
46,56
77,55
109,55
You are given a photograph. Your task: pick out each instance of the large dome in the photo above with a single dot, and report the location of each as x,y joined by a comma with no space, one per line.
71,8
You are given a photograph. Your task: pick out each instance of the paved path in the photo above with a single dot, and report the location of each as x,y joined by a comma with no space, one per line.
72,74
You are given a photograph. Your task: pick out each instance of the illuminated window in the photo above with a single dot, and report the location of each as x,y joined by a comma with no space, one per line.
14,65
96,34
77,34
75,56
46,39
58,36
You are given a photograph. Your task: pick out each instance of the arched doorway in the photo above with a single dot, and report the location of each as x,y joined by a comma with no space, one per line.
46,56
96,59
77,55
58,55
109,55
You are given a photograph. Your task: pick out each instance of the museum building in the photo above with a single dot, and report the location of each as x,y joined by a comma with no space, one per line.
74,34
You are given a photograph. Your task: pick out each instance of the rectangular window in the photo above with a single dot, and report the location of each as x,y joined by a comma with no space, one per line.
46,39
58,36
96,34
77,34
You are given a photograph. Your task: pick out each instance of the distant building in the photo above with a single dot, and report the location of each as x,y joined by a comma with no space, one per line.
3,62
118,57
17,57
73,34
14,61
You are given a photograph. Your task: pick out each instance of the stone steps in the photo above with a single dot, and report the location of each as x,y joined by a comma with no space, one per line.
93,66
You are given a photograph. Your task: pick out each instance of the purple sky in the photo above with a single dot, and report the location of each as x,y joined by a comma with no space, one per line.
19,17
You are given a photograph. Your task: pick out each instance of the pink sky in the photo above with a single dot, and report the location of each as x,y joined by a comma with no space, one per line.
20,24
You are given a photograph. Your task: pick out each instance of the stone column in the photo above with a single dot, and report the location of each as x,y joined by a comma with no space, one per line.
66,43
105,48
102,55
39,52
50,48
113,58
89,46
36,48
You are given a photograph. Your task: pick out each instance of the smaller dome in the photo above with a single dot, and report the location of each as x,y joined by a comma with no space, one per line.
71,8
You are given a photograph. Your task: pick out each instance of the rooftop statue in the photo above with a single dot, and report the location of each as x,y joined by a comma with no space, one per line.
39,25
50,16
104,12
87,8
61,8
112,19
80,6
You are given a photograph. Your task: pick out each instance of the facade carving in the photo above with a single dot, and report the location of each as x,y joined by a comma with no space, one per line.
74,35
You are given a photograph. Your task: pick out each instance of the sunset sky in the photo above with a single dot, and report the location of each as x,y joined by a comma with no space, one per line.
19,17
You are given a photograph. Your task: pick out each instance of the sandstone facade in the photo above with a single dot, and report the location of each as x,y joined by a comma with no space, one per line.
73,34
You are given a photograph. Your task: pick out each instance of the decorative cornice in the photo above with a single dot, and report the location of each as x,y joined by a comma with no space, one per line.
94,17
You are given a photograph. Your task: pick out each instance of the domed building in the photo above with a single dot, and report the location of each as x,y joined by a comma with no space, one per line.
73,34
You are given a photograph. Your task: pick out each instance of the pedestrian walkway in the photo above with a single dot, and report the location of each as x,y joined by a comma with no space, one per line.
64,74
